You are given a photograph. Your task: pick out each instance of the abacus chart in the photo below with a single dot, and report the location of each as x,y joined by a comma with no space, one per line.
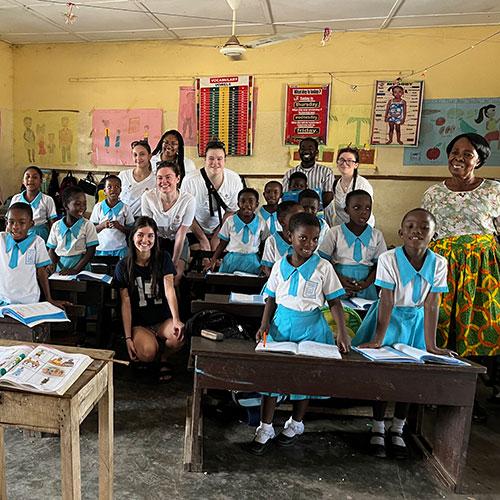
224,109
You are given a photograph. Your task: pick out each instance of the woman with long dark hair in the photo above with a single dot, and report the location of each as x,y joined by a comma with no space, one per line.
170,147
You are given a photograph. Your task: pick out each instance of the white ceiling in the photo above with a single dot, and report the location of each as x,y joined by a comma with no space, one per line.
39,21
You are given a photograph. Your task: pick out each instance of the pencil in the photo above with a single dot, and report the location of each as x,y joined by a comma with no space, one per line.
264,337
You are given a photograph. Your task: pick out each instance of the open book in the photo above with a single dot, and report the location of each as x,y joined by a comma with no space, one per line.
82,276
358,303
34,314
42,369
244,298
402,353
236,273
305,348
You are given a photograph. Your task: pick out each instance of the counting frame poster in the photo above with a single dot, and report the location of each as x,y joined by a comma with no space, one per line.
224,112
397,109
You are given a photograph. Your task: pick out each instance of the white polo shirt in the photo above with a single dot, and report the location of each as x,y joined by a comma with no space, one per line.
20,285
189,165
43,206
109,238
181,213
233,231
228,191
83,235
132,190
275,247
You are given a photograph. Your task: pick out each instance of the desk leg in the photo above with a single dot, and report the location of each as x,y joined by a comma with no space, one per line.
106,434
193,442
3,483
70,454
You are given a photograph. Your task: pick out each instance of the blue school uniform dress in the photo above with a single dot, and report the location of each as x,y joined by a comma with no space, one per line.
410,287
44,209
354,256
71,243
300,292
19,261
112,242
243,247
275,247
271,220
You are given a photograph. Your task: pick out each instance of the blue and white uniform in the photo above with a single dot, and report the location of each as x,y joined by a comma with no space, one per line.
271,220
44,209
19,261
323,230
354,256
112,241
410,287
275,247
243,247
71,243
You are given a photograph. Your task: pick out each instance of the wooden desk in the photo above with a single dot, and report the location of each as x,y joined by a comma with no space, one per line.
14,330
234,365
221,303
220,283
63,415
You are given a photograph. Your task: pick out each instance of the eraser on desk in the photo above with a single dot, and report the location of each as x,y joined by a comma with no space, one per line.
212,335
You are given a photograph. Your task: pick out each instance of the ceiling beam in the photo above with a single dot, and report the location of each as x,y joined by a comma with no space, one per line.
394,10
156,19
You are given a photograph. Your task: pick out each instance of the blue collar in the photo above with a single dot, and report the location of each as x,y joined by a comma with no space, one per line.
115,211
408,272
271,217
239,225
69,232
305,270
282,246
350,237
36,201
23,245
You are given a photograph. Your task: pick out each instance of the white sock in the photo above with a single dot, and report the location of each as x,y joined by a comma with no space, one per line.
378,426
293,428
264,432
397,427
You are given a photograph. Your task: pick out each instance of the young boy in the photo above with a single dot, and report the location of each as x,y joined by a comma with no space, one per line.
296,184
310,201
272,194
112,220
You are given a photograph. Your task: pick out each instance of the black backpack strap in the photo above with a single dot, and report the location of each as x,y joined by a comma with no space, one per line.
213,195
335,182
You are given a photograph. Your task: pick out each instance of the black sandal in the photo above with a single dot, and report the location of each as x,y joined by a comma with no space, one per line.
377,450
164,373
398,451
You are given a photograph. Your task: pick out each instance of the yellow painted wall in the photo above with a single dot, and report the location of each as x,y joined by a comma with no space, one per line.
6,106
148,74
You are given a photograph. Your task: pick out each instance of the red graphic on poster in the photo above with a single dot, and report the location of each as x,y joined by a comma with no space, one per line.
307,109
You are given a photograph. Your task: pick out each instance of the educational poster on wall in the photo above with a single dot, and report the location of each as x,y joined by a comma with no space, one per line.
443,119
397,109
46,138
224,107
306,113
186,122
113,130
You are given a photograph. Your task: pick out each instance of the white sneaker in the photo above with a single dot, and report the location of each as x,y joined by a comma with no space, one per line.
263,435
293,428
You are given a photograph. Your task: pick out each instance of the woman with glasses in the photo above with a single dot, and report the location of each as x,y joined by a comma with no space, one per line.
170,147
139,179
349,180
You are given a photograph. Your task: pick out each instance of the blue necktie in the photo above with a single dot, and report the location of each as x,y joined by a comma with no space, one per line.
294,284
357,250
246,234
14,257
417,288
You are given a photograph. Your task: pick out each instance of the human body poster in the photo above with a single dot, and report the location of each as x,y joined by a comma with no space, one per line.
443,119
397,108
113,130
307,108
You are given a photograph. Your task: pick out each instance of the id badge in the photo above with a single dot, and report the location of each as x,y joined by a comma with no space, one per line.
310,289
30,257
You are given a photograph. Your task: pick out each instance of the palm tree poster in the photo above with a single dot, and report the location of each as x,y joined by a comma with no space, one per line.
396,113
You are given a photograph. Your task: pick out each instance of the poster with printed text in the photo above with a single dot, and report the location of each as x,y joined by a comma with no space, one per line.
224,106
306,115
443,119
46,138
397,108
113,130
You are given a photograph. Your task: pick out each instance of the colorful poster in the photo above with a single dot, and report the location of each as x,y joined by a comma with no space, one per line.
443,119
46,138
224,111
396,113
187,115
307,108
113,130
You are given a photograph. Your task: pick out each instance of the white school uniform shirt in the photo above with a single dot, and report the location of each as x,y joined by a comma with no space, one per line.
324,227
189,165
111,239
228,191
243,238
132,190
275,247
304,288
411,287
43,206
339,246
74,240
271,220
19,285
181,213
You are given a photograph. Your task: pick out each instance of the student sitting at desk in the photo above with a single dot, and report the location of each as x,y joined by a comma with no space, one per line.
272,194
411,277
299,285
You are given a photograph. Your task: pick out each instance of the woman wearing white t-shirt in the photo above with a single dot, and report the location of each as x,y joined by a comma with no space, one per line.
172,211
139,179
170,147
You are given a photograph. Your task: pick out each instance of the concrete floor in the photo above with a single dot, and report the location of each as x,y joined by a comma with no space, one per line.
330,460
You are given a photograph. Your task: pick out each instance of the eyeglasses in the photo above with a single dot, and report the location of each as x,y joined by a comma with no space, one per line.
340,161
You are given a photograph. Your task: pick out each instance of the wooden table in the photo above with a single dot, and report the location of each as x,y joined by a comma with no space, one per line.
234,365
63,415
221,303
223,283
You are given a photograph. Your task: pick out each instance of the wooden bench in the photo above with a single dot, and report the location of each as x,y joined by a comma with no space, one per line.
221,303
234,365
202,283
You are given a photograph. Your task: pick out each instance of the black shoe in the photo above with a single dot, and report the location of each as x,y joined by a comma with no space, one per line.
377,450
399,452
479,414
256,448
285,441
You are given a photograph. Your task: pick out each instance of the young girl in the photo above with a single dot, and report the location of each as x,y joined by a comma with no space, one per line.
170,147
279,244
311,202
42,205
73,240
354,248
296,290
241,235
272,194
395,113
411,278
112,220
297,183
350,180
138,179
149,309
173,211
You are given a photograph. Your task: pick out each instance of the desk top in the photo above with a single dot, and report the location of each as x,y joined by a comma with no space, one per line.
228,279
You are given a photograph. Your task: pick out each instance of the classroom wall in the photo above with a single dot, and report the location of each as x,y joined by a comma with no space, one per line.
148,74
6,107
